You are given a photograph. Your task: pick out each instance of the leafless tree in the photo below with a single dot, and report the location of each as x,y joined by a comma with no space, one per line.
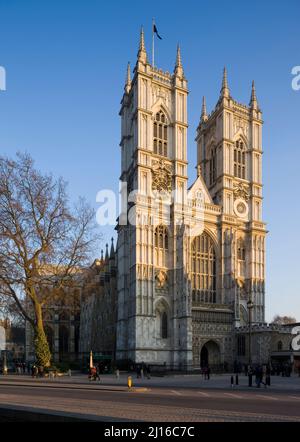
43,242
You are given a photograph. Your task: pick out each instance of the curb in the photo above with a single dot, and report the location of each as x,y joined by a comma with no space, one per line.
76,387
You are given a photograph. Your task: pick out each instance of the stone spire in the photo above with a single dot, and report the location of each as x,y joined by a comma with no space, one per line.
106,253
112,249
225,89
142,54
203,111
102,255
253,101
178,71
128,79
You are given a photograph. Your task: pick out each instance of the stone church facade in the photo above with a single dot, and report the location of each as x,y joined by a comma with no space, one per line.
188,258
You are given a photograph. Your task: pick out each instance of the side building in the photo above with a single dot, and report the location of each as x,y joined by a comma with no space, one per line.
82,316
99,309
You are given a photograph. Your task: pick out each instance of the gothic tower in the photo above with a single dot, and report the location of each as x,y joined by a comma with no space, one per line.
154,320
229,148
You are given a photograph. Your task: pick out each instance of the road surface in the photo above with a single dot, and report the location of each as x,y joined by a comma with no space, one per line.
156,404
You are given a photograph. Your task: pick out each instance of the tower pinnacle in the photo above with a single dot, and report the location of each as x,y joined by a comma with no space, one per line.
178,57
253,101
128,79
142,54
225,89
203,111
178,71
112,249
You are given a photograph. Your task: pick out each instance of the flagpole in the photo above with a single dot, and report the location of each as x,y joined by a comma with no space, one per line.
153,42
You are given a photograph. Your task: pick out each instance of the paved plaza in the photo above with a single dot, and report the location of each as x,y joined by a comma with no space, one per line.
176,398
278,383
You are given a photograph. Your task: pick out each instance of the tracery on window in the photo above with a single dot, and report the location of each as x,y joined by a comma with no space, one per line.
203,275
240,160
160,134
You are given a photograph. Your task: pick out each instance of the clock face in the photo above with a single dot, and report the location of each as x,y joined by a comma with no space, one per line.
241,208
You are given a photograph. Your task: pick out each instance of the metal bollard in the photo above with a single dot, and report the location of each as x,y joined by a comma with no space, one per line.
237,379
232,382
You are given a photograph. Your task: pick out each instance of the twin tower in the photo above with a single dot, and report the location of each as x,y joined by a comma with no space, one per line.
189,265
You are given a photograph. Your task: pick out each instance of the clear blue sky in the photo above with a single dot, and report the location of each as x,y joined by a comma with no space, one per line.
65,62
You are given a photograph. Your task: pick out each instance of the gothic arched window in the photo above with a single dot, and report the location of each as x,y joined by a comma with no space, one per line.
161,237
63,340
279,346
161,244
160,134
203,269
241,345
164,325
241,251
240,160
241,257
213,166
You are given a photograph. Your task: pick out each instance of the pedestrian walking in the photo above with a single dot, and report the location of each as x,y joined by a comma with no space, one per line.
264,376
208,373
98,370
257,376
250,375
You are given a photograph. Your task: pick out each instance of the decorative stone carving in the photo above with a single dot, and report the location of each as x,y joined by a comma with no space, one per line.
241,191
158,92
161,177
241,208
161,279
241,124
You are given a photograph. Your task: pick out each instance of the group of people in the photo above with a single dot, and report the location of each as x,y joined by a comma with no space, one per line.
143,370
94,373
21,367
262,375
17,367
283,370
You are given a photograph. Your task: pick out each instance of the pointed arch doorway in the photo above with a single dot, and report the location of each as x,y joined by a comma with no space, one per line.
210,354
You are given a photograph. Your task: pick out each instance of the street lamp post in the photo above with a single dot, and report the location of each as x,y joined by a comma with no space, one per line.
250,306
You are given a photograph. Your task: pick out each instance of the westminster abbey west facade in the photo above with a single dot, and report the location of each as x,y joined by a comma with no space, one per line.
188,265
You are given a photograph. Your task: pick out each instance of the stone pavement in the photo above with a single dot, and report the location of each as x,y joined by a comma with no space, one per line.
112,411
174,398
170,381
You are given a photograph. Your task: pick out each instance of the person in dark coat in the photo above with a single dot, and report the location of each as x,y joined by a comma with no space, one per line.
208,372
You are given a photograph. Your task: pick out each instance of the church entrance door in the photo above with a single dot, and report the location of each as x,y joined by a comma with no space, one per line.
210,355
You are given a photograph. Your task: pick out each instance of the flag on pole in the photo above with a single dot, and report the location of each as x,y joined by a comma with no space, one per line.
155,31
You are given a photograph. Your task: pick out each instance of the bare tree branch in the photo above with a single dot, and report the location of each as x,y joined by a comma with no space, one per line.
43,242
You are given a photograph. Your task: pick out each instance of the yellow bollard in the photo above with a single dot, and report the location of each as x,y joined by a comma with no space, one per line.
129,382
